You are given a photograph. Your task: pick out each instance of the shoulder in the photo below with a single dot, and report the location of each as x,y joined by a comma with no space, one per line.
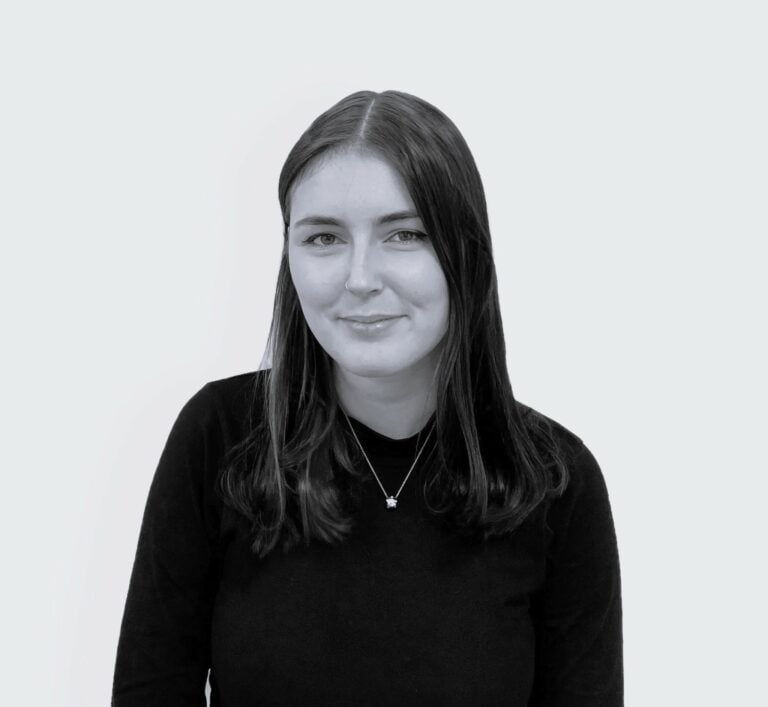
213,418
223,402
539,425
586,488
211,421
235,390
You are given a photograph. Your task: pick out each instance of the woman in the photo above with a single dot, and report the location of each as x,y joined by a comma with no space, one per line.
375,519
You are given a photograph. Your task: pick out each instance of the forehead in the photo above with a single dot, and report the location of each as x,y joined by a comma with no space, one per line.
349,185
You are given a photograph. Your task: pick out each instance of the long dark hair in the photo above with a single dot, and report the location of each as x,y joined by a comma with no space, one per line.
495,459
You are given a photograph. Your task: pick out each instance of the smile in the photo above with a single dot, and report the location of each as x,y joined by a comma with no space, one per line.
371,327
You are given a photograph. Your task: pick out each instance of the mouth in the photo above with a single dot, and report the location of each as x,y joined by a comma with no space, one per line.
369,320
370,325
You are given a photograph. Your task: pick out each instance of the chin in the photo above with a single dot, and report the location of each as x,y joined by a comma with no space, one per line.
370,368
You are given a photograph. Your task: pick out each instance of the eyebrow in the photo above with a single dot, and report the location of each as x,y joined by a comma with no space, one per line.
330,221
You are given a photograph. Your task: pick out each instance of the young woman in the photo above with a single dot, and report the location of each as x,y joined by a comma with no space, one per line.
374,519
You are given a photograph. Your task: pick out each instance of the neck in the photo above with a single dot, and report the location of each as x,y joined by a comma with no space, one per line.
397,406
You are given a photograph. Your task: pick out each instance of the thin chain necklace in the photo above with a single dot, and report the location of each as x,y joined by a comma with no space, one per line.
391,500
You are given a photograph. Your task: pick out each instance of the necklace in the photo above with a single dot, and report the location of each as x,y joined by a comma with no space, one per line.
391,500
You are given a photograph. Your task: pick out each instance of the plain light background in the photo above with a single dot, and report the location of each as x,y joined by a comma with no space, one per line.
623,151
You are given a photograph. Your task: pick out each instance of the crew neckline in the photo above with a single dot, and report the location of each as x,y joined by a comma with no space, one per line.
380,444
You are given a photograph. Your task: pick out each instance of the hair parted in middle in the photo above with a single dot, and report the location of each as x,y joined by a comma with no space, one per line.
495,460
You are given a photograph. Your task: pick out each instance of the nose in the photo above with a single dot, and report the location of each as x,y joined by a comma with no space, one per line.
364,276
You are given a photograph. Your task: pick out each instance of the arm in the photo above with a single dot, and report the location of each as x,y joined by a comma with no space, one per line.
163,651
578,614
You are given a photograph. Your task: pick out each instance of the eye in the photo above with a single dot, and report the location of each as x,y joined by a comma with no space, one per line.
326,239
415,236
312,238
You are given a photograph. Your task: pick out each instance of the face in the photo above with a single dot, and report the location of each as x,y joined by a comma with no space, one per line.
353,222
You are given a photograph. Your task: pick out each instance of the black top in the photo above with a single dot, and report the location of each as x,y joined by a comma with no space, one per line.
401,613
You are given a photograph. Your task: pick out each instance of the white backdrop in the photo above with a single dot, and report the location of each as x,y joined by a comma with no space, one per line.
623,150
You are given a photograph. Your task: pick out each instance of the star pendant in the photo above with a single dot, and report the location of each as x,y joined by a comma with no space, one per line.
391,502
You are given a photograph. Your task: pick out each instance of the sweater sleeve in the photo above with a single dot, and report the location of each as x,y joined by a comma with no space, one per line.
163,652
578,614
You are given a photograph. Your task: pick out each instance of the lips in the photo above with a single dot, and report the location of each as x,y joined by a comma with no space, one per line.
374,328
370,318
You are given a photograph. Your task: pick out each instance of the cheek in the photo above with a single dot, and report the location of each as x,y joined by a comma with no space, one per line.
312,284
441,304
432,288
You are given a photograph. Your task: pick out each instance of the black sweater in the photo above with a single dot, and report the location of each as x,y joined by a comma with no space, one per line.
401,613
